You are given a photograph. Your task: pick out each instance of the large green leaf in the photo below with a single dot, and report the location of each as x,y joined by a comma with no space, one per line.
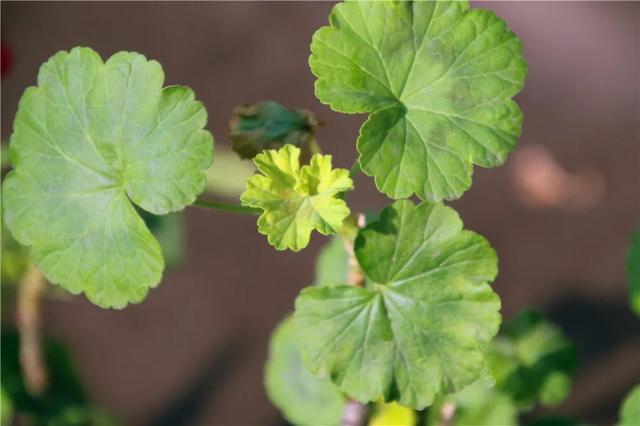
421,325
89,141
303,398
296,200
633,272
630,410
437,80
332,263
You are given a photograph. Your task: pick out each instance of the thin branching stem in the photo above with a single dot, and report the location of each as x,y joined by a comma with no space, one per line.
30,292
355,169
225,207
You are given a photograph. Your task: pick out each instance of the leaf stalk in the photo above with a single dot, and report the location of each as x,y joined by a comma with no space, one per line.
225,207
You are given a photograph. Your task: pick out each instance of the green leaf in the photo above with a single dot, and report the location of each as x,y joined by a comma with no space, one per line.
168,230
14,257
479,405
89,141
302,398
630,410
533,361
555,421
332,264
83,416
5,160
63,390
296,200
633,272
269,125
421,326
63,402
437,80
6,408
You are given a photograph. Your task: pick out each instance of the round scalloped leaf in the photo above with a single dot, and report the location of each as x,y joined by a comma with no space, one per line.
332,263
437,80
421,325
296,200
303,399
90,140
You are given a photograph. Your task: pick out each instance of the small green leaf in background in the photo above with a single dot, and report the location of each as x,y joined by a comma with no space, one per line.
296,200
332,263
228,174
555,421
630,409
477,405
14,257
5,160
6,408
437,80
89,141
421,326
269,125
533,361
633,272
168,230
302,398
64,401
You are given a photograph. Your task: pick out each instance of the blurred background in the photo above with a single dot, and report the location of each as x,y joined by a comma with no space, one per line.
560,213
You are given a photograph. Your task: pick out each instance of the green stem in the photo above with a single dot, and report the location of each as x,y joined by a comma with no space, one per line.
233,208
314,146
355,169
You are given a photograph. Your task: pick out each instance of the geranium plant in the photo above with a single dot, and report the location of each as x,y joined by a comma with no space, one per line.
402,319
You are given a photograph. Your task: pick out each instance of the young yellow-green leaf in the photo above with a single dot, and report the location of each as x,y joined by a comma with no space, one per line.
269,125
90,140
392,414
421,326
437,80
633,272
296,200
303,399
630,410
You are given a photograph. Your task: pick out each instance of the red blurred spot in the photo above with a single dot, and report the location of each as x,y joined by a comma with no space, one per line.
6,60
